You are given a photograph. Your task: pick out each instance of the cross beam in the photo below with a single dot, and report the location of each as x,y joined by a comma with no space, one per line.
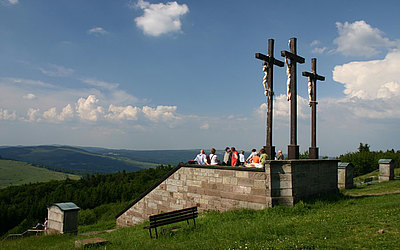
293,148
313,77
270,61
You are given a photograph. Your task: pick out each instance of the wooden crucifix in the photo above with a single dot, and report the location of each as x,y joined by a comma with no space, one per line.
312,95
269,62
293,148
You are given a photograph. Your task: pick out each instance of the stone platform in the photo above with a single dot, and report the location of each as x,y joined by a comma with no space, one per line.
227,188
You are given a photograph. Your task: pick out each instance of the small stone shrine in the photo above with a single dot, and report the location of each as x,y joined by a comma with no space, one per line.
62,218
386,170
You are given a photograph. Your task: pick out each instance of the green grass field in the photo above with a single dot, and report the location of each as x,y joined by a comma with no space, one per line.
17,173
366,217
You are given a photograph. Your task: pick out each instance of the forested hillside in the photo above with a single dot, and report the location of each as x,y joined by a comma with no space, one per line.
25,205
71,160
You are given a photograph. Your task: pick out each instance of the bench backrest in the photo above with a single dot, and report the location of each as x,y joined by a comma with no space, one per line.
172,217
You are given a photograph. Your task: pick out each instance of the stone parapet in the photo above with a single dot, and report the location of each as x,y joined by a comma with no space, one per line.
293,180
227,188
210,188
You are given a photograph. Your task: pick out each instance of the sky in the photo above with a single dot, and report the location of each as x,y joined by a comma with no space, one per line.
182,74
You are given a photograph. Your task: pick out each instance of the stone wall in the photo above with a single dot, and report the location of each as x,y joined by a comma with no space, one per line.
291,181
210,188
227,188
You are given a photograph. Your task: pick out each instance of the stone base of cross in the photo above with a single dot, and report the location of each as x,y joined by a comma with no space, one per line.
293,152
313,153
270,150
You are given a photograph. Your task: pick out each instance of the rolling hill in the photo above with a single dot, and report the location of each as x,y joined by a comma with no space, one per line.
75,160
17,173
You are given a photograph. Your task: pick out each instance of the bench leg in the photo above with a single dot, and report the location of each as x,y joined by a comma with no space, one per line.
156,233
151,237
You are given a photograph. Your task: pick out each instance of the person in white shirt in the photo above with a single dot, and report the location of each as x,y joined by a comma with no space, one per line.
241,158
213,157
201,158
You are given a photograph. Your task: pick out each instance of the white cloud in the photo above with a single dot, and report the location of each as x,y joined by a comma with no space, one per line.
360,39
51,115
66,113
160,113
159,19
9,2
101,84
97,31
205,126
281,108
319,50
7,115
122,113
26,82
57,71
33,115
372,88
314,43
376,79
29,96
87,108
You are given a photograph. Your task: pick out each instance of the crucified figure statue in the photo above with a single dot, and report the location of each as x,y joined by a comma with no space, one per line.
289,79
310,92
267,88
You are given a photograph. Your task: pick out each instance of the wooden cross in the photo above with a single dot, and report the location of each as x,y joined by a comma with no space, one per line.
313,77
269,62
293,148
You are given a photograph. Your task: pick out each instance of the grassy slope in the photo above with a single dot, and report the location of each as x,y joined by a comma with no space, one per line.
17,173
354,219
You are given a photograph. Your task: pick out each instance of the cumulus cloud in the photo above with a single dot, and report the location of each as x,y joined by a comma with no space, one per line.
376,79
51,115
7,115
56,71
122,113
160,113
29,96
159,19
33,115
97,31
360,39
87,108
281,108
372,88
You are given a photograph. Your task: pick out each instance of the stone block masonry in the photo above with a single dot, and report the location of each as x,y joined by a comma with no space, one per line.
227,188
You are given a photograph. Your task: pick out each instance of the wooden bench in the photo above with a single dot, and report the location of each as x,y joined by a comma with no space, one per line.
172,217
367,180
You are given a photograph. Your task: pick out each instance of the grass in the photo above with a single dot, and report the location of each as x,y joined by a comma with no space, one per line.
365,217
17,173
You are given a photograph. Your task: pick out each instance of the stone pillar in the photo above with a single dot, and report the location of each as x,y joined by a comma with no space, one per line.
386,170
345,175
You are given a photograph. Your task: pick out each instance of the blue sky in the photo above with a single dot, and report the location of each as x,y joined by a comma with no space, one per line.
182,75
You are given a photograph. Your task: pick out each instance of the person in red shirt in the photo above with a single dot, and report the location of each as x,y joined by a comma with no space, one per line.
235,157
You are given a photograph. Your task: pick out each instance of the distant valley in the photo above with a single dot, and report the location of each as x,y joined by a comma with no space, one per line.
83,160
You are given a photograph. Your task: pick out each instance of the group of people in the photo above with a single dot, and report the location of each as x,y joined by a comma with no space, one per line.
233,158
40,226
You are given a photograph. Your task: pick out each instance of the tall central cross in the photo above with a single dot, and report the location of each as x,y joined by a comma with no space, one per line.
269,62
312,92
293,148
